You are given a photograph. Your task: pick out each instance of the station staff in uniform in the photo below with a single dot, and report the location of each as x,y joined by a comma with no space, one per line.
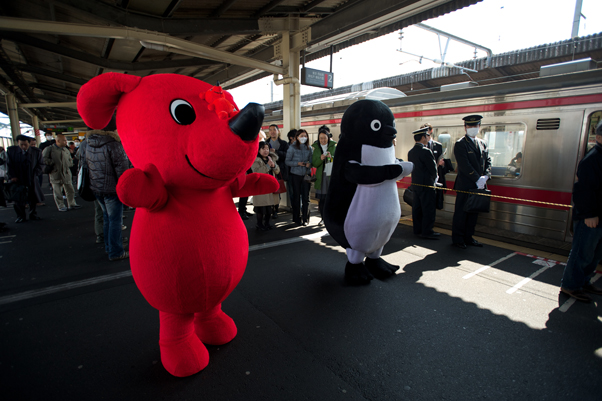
424,173
443,165
474,169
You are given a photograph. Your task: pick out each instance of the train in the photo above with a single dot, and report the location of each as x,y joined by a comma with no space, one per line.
547,120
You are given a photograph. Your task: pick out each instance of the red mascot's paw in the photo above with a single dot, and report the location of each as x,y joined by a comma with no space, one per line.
256,184
142,188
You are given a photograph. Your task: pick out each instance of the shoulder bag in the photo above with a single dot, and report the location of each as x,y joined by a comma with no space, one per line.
408,196
15,192
83,183
478,201
282,188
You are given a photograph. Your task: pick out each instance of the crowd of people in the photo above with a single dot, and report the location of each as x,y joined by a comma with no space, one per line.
300,164
23,166
297,163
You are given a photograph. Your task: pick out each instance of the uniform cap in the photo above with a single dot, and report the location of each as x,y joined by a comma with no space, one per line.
472,119
421,131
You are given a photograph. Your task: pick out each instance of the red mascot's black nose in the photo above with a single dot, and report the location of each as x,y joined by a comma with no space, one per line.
247,123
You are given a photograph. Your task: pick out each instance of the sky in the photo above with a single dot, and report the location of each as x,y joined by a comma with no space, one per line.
501,25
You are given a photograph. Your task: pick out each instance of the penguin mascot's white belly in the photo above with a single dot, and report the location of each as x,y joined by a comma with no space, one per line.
374,211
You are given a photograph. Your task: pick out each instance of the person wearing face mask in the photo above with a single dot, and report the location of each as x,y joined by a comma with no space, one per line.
265,163
322,159
444,166
474,169
424,175
298,159
280,147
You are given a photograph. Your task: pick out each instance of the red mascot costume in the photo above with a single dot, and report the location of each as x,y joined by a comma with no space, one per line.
188,245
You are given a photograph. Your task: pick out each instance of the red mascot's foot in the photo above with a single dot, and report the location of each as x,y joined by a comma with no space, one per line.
184,357
214,327
182,353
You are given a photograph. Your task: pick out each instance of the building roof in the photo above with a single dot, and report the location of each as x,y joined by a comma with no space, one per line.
46,54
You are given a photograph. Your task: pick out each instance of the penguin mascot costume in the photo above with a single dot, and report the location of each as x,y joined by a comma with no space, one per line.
362,205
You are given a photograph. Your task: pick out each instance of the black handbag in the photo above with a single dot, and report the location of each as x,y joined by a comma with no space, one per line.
16,192
408,196
83,183
477,201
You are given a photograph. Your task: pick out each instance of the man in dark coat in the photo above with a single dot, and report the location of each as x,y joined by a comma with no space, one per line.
444,166
24,165
38,181
587,230
424,173
474,169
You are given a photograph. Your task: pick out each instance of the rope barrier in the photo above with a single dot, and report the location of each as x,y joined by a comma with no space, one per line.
494,196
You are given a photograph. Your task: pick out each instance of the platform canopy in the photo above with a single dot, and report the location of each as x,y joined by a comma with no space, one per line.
49,48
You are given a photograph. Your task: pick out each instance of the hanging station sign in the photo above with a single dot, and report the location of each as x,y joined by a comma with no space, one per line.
320,79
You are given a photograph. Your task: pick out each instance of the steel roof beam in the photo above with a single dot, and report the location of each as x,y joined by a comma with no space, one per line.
102,62
158,40
36,105
60,122
265,9
222,9
47,73
311,6
362,17
173,26
54,89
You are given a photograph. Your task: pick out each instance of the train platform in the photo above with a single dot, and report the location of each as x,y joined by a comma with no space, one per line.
480,323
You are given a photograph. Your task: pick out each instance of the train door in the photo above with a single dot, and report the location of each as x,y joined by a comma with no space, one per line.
588,140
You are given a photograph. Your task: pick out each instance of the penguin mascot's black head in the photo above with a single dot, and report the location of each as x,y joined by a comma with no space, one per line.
362,205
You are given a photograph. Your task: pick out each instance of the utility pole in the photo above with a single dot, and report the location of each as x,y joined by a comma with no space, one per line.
577,18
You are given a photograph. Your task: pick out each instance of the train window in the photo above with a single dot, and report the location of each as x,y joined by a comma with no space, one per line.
505,144
594,119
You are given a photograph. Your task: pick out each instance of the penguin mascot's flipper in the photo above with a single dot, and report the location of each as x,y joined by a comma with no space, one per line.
362,205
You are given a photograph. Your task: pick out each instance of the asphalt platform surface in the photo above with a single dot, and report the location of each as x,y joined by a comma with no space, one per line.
484,323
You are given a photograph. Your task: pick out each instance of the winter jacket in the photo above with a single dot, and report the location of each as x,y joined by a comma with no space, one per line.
106,160
60,160
259,166
281,153
294,156
319,164
587,191
24,167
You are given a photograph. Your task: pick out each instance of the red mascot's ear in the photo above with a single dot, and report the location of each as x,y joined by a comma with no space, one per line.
98,98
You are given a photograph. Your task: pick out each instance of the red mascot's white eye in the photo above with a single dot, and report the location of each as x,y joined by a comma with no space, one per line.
182,112
375,125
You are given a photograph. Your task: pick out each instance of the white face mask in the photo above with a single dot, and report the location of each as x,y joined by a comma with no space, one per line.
49,138
302,139
472,132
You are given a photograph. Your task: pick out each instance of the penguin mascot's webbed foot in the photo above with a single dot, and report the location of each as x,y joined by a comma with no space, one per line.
380,268
362,208
357,274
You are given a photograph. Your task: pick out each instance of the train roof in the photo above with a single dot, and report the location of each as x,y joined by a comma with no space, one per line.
552,82
345,99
